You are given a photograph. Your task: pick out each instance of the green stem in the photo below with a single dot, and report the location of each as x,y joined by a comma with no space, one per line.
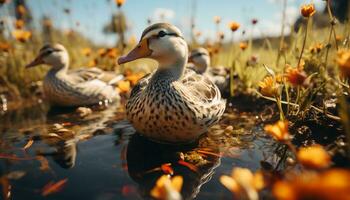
304,42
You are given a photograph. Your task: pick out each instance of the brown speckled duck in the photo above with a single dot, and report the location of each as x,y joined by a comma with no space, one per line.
173,104
79,87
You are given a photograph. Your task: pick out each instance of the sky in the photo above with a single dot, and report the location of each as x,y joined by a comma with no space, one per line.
93,15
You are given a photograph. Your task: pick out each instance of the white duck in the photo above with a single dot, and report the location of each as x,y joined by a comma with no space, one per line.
172,104
79,87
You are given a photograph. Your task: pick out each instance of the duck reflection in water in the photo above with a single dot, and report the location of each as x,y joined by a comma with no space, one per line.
145,158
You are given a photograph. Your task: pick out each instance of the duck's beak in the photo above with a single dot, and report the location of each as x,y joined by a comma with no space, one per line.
140,51
37,61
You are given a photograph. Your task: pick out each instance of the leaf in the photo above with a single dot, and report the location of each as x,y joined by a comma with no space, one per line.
269,70
29,144
167,169
44,163
15,175
53,187
6,188
128,190
188,165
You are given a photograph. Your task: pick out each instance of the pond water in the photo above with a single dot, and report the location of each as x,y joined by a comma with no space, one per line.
101,157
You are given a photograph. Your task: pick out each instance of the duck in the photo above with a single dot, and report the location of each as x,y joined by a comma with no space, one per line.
200,60
71,88
173,104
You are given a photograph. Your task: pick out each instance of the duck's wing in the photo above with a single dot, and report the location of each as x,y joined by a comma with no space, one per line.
88,74
97,88
200,88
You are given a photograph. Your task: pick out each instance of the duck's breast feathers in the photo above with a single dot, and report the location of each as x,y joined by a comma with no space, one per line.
141,85
199,88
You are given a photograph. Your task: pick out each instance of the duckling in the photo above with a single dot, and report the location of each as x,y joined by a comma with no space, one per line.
201,60
80,87
173,104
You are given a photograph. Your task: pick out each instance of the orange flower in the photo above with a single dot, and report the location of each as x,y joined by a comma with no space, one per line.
21,10
343,61
5,47
243,45
19,24
119,2
244,183
112,53
279,131
269,87
316,48
102,52
328,185
198,33
124,86
338,38
234,26
86,51
314,157
308,10
217,19
134,78
167,188
21,35
92,63
296,76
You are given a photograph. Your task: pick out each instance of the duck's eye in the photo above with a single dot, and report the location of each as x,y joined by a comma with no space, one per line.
161,34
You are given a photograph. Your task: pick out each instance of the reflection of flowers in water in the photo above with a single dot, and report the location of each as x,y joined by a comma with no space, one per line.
146,161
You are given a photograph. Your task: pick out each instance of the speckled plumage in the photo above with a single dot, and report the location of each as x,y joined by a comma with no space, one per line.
172,104
177,111
72,88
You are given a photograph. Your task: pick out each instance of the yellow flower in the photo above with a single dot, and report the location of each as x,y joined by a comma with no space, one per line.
167,188
314,157
21,35
92,63
343,61
328,185
119,2
243,45
308,10
217,19
279,131
102,52
244,183
269,87
86,51
234,26
296,76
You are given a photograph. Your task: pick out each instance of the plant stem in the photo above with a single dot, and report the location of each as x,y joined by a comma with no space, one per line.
279,105
304,42
282,32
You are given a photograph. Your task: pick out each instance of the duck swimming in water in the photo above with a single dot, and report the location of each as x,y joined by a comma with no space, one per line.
173,104
73,88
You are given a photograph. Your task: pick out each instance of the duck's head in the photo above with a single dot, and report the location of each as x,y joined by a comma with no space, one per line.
200,58
54,55
162,42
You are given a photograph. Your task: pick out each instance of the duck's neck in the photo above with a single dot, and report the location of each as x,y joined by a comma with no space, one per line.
171,71
60,68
